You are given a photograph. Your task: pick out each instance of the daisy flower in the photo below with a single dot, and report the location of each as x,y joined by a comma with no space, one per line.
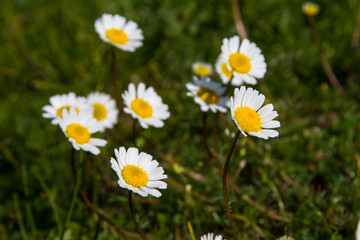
78,128
245,60
310,9
286,238
249,117
138,172
60,102
208,94
145,105
202,69
115,30
210,236
104,109
225,73
357,233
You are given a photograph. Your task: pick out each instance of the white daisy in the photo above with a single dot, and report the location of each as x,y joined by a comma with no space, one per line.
202,69
60,102
310,9
78,127
286,238
357,233
244,59
115,30
225,73
208,94
145,105
104,109
138,172
210,236
249,117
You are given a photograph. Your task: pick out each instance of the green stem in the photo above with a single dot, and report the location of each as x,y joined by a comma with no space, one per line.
134,133
224,181
134,217
73,201
28,211
205,136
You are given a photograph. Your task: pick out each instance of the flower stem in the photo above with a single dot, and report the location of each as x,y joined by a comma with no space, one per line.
205,137
101,215
323,60
134,217
73,201
224,181
228,86
238,20
134,133
113,75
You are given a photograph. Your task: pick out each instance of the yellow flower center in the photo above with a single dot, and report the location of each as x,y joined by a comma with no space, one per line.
208,95
311,10
116,36
134,176
240,63
247,119
141,107
59,111
78,132
99,111
226,71
202,71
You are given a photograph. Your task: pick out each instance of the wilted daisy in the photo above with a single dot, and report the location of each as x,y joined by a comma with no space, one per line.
202,69
310,9
225,73
286,238
60,102
115,30
210,236
78,128
208,94
138,172
145,105
245,60
104,109
249,117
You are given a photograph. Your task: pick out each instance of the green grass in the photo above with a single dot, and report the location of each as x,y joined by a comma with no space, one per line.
304,183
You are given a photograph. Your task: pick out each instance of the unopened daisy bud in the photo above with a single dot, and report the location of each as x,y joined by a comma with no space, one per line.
104,109
244,59
286,238
115,30
310,9
211,236
202,69
78,128
249,117
63,101
145,105
177,168
208,94
138,172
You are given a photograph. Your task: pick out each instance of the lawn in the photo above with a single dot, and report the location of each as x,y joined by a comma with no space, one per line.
305,183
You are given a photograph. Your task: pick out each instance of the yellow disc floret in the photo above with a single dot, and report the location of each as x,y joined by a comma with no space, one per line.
78,132
247,119
134,176
202,71
208,95
59,111
99,111
240,63
226,71
142,108
116,36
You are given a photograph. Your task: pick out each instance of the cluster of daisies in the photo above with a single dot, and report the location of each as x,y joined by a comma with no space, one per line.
81,117
240,62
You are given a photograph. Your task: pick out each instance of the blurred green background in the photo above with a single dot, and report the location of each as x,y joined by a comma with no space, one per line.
305,183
